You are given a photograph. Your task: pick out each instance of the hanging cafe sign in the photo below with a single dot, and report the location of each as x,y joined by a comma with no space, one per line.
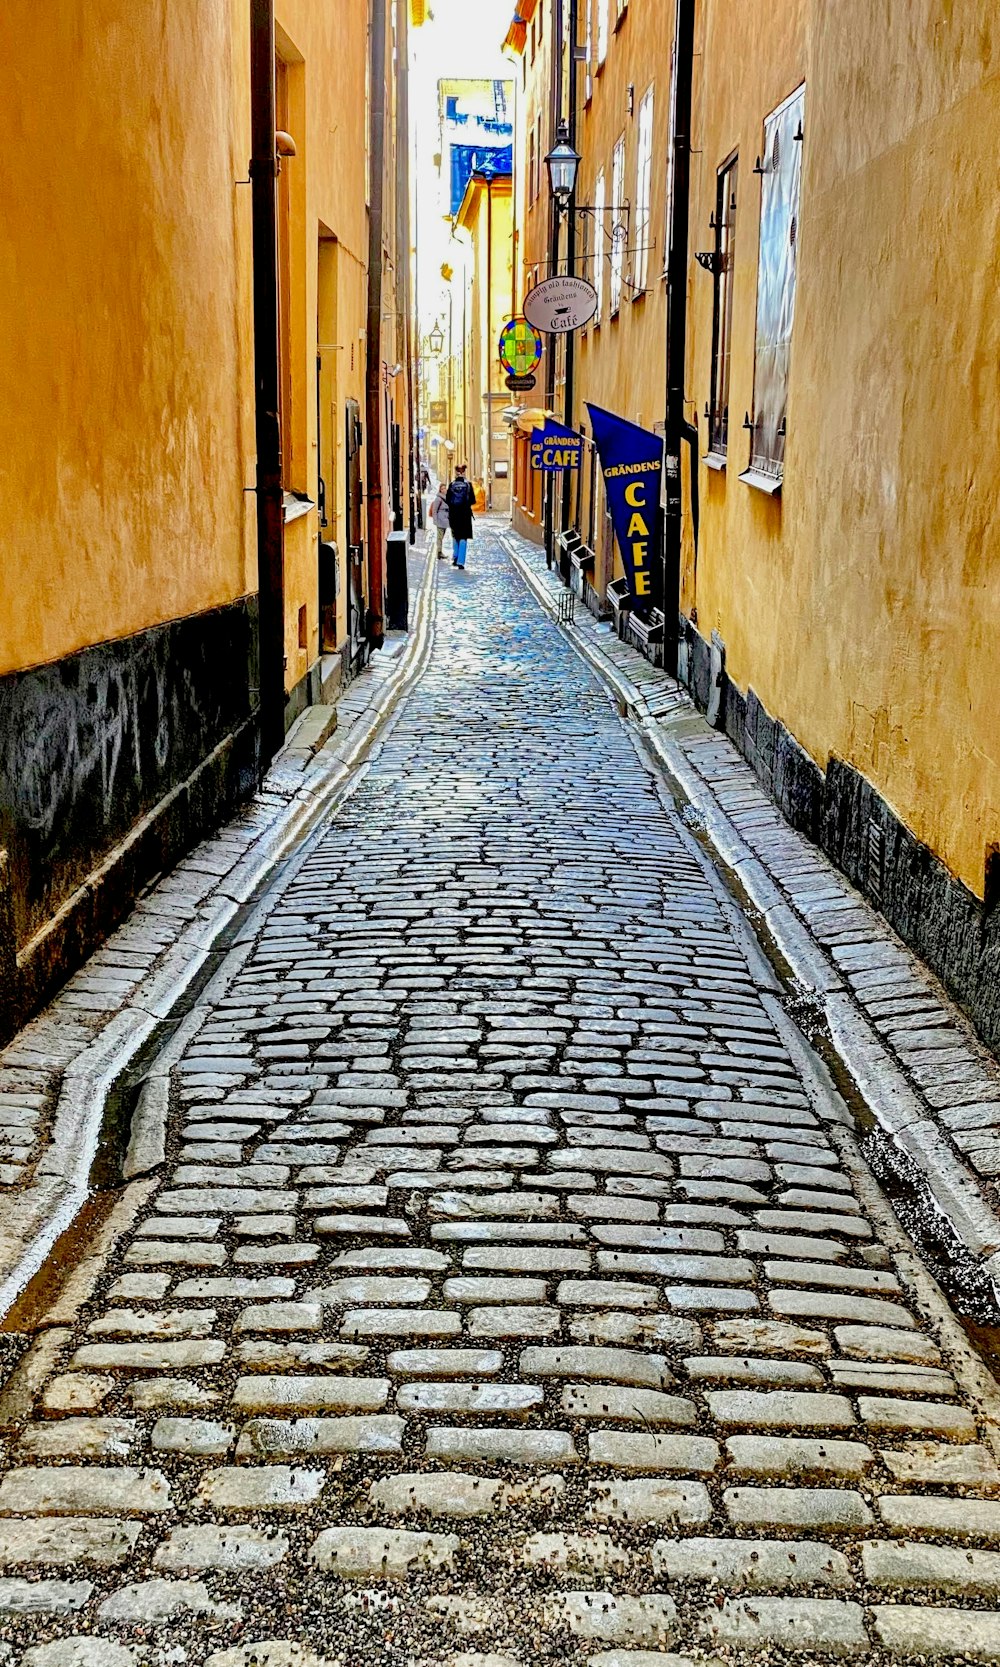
631,462
559,305
555,447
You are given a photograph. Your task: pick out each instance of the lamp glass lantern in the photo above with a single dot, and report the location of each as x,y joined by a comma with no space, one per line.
562,163
435,339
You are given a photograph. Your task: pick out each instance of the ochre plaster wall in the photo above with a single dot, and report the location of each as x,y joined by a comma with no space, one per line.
125,380
621,359
863,606
487,217
324,50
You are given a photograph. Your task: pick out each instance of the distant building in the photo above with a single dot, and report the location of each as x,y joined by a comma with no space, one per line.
475,125
486,215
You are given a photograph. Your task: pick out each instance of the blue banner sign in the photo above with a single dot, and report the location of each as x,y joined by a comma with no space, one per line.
555,447
631,461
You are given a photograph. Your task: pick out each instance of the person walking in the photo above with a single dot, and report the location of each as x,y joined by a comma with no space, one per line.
460,498
441,518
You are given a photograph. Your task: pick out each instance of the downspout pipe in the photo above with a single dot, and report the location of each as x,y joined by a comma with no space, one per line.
270,506
373,372
555,117
489,339
570,339
403,265
677,429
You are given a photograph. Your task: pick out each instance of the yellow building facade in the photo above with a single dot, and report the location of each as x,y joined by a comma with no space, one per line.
842,337
129,669
486,217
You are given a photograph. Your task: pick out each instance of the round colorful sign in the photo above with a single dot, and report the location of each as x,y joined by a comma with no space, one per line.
520,347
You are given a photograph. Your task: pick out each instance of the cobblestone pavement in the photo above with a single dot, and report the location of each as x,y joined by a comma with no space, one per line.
512,1292
925,1076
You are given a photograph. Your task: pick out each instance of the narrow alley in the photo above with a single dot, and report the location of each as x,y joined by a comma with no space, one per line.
513,1290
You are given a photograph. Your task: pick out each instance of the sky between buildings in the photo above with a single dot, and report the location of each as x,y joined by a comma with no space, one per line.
460,38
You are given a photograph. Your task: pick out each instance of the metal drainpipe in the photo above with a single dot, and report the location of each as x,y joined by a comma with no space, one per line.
373,373
570,350
404,301
677,262
550,352
270,510
489,340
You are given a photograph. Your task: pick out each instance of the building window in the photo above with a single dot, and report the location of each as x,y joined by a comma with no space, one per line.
621,7
588,90
777,261
643,193
602,31
722,309
599,244
618,232
532,163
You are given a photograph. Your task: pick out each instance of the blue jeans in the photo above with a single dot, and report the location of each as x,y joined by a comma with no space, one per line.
458,545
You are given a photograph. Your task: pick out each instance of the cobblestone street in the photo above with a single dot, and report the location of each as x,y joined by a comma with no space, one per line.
513,1291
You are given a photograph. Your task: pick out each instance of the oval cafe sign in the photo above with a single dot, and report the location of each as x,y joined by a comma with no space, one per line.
559,305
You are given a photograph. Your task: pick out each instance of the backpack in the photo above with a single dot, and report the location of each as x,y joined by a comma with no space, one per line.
459,493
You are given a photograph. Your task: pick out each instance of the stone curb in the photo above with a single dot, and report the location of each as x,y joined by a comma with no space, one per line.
881,1083
51,1202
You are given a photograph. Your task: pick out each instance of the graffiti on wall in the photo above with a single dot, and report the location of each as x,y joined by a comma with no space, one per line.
91,743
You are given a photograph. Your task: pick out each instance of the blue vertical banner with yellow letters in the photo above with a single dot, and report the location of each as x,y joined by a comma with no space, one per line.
631,462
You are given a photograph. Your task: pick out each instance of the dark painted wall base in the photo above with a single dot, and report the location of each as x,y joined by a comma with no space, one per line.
113,763
842,813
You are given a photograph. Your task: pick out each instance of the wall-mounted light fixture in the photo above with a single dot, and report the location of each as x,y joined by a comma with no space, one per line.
562,163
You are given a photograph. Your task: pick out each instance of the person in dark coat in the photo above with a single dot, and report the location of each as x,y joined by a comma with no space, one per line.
460,498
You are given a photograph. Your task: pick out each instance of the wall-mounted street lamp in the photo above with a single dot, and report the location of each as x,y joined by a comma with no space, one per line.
562,163
435,339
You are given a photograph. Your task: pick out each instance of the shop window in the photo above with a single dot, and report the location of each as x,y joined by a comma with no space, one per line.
618,232
722,309
643,193
777,261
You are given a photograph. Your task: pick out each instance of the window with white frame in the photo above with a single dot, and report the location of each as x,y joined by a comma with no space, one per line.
599,244
643,193
777,261
618,233
602,30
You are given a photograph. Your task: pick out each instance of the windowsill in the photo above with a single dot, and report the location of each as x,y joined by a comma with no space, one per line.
715,460
615,311
761,482
639,295
620,19
295,505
